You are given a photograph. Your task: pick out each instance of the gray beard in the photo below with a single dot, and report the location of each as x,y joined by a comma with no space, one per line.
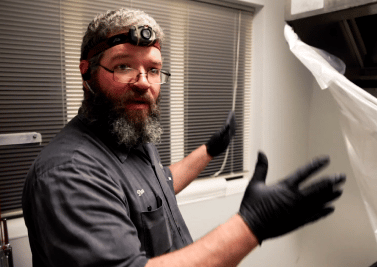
130,134
128,130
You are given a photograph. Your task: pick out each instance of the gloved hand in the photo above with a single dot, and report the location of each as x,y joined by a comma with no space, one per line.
220,140
271,211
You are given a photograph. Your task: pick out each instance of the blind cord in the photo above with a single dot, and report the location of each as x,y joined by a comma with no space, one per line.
235,86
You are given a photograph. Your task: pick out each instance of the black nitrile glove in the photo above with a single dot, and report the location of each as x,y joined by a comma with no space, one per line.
271,211
220,140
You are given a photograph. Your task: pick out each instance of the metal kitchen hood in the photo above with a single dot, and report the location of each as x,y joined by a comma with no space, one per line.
344,28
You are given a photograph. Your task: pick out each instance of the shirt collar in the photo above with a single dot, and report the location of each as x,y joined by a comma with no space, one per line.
120,151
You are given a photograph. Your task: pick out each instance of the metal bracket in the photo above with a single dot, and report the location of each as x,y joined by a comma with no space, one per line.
20,138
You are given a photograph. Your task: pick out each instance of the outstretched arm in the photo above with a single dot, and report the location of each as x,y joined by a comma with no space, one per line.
186,170
225,246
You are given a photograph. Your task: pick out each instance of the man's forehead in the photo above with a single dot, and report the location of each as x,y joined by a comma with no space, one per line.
130,52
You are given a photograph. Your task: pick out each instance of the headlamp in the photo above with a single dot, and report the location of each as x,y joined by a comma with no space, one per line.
142,35
138,35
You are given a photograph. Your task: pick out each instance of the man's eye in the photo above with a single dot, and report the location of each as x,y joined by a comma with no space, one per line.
123,68
154,71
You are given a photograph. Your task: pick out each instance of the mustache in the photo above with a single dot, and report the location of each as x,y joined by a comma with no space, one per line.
129,96
132,97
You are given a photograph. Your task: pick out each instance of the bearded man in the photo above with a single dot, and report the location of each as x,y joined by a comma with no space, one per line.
98,195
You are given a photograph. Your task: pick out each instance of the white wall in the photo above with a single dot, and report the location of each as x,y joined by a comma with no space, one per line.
292,120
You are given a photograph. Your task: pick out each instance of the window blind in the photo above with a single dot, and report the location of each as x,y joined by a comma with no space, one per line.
31,95
41,87
210,79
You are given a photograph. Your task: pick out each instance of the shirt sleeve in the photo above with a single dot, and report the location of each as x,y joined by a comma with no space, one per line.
83,219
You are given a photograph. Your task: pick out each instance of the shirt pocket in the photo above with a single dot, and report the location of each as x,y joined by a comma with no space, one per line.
157,235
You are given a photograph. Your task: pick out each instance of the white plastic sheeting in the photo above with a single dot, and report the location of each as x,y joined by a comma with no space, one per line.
358,120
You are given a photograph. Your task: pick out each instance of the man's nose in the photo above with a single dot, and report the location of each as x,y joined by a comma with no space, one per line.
142,83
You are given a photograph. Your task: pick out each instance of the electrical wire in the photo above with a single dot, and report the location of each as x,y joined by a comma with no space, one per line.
235,87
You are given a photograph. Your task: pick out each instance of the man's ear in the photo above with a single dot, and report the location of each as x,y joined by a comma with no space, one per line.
84,69
85,73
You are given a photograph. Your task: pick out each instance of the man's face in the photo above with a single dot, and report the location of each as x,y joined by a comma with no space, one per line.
133,110
135,99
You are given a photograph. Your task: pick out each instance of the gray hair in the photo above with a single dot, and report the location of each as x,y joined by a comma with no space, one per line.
110,23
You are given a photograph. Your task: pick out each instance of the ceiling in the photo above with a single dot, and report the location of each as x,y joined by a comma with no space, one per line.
349,34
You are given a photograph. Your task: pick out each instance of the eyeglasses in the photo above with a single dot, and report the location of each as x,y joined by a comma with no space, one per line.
129,75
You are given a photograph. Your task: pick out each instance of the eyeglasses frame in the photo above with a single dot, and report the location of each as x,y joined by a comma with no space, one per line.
162,71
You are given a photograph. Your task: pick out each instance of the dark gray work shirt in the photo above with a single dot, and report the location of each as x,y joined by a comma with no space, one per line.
89,202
